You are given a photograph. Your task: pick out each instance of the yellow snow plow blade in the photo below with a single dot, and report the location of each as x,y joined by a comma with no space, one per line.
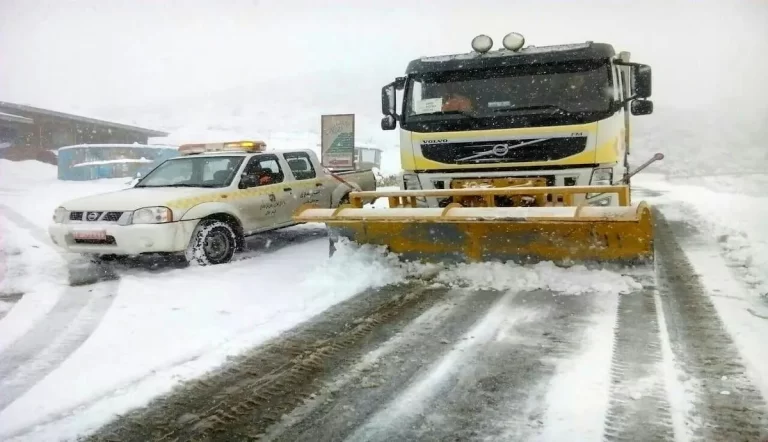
558,231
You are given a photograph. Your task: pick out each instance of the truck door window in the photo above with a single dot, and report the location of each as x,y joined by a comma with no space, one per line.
265,169
300,165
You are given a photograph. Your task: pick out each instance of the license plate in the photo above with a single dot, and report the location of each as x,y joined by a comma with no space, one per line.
90,234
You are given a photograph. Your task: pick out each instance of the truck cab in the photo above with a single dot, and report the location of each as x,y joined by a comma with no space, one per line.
554,115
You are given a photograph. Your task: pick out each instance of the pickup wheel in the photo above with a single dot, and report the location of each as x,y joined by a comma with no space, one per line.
213,242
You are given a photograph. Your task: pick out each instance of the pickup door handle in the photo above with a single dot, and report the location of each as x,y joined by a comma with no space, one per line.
318,184
287,189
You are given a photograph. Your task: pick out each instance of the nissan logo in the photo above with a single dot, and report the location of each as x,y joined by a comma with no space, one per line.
92,216
500,150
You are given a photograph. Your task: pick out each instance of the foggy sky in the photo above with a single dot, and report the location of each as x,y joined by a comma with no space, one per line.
101,54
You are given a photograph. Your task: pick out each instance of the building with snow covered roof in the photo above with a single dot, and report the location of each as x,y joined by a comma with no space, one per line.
97,161
28,132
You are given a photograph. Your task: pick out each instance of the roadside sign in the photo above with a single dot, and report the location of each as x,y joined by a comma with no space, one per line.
337,144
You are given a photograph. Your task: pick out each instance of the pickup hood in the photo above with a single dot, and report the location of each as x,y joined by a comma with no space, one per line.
134,198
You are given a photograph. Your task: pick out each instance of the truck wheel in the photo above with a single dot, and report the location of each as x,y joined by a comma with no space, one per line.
213,242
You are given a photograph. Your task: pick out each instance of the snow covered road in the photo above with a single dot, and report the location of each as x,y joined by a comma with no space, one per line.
360,347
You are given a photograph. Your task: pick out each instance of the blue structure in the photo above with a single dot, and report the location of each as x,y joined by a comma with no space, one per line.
97,161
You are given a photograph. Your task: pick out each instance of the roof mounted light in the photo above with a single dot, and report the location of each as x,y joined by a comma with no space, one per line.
513,41
482,43
230,146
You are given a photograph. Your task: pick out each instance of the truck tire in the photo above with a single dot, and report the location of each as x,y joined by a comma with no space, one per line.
213,242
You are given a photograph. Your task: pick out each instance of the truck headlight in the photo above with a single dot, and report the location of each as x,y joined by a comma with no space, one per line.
59,214
152,215
411,182
602,177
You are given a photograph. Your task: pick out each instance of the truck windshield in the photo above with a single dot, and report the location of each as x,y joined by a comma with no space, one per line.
218,171
563,89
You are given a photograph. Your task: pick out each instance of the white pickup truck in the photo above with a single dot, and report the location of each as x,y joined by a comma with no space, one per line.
203,203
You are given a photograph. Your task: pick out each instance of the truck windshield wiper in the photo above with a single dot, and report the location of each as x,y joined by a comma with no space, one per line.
548,107
466,113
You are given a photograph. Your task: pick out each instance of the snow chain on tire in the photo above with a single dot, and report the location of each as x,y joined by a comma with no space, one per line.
196,250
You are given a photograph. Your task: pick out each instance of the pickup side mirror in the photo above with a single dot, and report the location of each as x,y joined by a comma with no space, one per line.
641,80
642,107
247,181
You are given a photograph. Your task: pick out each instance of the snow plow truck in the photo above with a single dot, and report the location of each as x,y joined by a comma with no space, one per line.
516,154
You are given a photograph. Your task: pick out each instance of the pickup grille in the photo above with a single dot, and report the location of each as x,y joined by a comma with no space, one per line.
504,151
93,216
112,216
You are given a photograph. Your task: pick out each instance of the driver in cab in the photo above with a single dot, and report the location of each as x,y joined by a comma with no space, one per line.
260,175
455,101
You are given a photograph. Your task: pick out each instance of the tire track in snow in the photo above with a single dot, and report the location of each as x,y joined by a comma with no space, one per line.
638,404
73,318
493,384
725,404
69,335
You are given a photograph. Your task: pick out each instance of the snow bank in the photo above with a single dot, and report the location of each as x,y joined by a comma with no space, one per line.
737,220
32,189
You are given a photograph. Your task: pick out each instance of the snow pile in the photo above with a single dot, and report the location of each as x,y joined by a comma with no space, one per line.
574,280
381,268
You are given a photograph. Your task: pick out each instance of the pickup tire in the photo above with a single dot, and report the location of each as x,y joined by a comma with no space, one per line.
213,242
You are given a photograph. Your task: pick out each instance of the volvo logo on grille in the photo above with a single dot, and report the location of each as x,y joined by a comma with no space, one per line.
500,150
92,216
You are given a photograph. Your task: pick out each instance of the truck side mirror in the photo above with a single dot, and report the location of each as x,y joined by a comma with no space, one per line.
642,107
641,80
388,99
388,123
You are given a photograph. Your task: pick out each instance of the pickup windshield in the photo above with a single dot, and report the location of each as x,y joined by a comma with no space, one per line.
218,171
544,90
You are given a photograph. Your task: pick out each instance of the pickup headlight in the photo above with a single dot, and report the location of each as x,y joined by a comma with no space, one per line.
59,214
152,215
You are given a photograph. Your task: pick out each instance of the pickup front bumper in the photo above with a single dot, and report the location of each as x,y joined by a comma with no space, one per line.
114,239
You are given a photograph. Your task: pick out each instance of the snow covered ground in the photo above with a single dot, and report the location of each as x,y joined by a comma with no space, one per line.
113,345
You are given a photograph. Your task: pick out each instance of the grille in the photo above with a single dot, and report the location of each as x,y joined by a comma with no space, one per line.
112,216
93,216
107,242
504,151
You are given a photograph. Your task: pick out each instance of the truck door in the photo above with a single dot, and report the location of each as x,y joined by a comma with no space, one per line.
266,203
310,188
